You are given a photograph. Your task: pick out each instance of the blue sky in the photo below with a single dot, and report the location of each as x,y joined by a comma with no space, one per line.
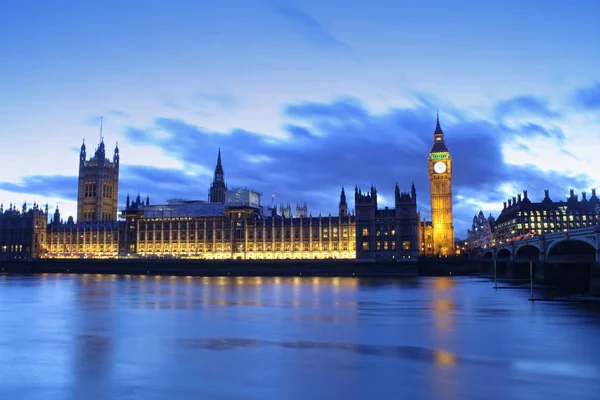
302,97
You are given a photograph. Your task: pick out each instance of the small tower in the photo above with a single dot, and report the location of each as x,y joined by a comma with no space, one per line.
218,187
56,219
343,206
301,210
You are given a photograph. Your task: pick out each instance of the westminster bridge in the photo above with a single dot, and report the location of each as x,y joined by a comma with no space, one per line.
562,258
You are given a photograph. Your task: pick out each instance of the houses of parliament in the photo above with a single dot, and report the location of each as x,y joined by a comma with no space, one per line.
231,223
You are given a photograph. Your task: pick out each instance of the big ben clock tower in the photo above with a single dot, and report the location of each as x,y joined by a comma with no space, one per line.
440,180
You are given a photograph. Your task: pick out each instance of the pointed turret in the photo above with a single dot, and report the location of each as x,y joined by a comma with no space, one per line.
56,219
82,153
343,206
116,154
438,138
218,187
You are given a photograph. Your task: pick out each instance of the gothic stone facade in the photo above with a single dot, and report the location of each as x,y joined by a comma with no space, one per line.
440,179
386,234
239,233
22,232
98,186
480,234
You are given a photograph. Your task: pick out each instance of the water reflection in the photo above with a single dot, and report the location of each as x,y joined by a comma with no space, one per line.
90,336
431,356
443,304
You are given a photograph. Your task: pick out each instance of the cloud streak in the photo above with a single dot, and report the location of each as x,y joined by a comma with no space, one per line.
315,32
588,97
524,106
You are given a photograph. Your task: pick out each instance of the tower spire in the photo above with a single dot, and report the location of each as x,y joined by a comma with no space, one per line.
101,120
438,128
219,159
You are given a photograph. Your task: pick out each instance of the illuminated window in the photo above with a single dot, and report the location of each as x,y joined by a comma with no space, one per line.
394,245
378,246
406,245
385,245
393,232
365,246
365,232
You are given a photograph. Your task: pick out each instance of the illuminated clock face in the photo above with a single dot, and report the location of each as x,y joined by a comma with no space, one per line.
439,167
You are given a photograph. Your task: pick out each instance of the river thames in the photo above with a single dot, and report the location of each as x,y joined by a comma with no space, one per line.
128,337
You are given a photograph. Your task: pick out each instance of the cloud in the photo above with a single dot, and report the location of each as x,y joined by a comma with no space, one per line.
47,185
524,106
588,97
209,101
310,28
330,145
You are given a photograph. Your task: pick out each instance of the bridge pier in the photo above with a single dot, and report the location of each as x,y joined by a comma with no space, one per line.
595,279
540,274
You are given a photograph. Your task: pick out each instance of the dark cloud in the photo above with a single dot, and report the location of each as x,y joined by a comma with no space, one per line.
59,186
342,144
531,129
310,28
524,106
589,97
328,146
161,184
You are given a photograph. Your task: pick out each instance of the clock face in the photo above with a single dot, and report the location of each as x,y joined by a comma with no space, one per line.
439,167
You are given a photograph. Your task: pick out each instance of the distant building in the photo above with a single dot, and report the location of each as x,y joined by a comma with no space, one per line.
22,232
520,216
386,234
480,234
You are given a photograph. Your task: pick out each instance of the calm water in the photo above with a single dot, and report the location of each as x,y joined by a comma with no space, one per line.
94,337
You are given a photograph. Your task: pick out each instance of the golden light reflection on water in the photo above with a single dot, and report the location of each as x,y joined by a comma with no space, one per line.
443,304
155,292
444,358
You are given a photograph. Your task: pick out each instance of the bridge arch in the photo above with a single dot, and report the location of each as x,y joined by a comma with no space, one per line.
570,262
488,256
522,245
527,252
503,253
571,244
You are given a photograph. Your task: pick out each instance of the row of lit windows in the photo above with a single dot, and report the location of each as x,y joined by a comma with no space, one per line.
251,230
182,224
250,247
220,235
558,218
365,232
386,245
557,213
81,248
